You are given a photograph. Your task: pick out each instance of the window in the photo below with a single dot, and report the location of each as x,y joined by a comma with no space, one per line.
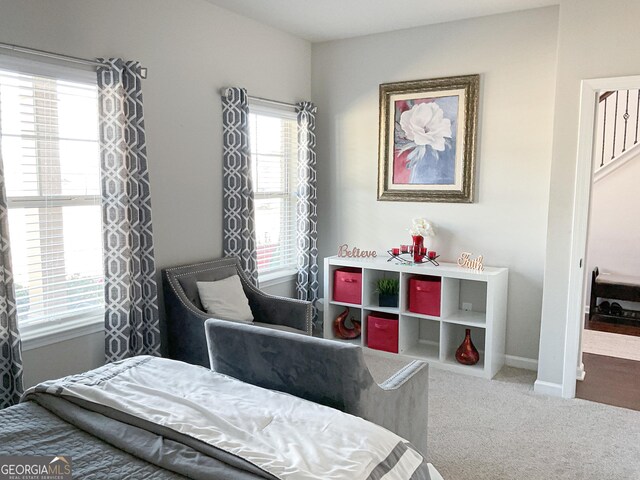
274,154
49,138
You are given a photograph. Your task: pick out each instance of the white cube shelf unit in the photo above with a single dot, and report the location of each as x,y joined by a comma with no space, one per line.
469,299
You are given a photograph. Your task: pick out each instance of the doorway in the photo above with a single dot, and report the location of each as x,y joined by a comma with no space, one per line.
604,280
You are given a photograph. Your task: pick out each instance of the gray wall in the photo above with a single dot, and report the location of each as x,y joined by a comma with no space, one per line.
63,358
187,49
597,40
515,54
614,229
192,49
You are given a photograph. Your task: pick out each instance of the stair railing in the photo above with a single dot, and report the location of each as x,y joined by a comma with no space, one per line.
622,109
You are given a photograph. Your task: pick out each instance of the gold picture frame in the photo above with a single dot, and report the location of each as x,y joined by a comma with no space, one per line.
427,140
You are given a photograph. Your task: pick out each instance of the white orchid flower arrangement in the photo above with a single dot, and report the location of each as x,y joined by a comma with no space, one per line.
422,227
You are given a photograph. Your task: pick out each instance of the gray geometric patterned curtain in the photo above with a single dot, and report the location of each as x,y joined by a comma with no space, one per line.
11,386
239,234
307,214
132,325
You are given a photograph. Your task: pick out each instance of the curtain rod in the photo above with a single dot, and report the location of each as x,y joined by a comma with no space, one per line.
273,102
264,100
58,56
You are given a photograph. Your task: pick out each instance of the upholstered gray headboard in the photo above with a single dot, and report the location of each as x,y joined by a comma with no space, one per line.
323,371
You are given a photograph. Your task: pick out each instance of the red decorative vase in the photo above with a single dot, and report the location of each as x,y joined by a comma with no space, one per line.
341,330
467,354
418,247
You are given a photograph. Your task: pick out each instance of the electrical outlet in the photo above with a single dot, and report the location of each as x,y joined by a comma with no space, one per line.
467,307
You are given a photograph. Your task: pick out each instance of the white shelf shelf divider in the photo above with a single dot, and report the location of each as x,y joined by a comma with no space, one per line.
426,337
377,308
469,318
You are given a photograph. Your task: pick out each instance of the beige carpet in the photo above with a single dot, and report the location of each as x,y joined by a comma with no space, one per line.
611,344
501,430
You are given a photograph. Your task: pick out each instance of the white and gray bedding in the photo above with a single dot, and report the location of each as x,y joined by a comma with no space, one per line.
29,429
190,421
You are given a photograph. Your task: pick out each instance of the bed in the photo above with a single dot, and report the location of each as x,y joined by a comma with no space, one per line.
614,287
149,417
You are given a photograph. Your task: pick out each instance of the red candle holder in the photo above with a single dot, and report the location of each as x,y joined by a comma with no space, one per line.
418,246
413,254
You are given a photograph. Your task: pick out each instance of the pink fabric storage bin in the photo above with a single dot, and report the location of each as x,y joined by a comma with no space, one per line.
347,285
382,332
424,295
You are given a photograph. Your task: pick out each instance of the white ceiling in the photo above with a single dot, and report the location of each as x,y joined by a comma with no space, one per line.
321,20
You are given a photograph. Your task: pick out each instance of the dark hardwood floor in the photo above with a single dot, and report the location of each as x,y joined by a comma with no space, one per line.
614,381
611,327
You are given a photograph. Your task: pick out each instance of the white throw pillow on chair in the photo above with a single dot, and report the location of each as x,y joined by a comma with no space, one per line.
225,299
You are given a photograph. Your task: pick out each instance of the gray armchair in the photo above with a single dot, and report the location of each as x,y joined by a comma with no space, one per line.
324,371
186,316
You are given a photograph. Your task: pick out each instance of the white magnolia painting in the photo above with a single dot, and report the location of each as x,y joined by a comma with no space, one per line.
427,139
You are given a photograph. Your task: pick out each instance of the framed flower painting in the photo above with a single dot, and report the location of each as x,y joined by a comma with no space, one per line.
428,139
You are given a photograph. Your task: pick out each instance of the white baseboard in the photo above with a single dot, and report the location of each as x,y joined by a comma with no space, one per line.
548,388
521,362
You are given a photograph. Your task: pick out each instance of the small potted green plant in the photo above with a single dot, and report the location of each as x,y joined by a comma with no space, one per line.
388,290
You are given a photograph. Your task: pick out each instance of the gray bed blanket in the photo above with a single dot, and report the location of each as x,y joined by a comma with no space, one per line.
188,421
29,429
47,425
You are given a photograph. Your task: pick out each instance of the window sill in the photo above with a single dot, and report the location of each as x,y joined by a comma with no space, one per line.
276,278
55,332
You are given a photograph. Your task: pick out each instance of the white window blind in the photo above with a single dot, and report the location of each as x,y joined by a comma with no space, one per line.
274,152
49,138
